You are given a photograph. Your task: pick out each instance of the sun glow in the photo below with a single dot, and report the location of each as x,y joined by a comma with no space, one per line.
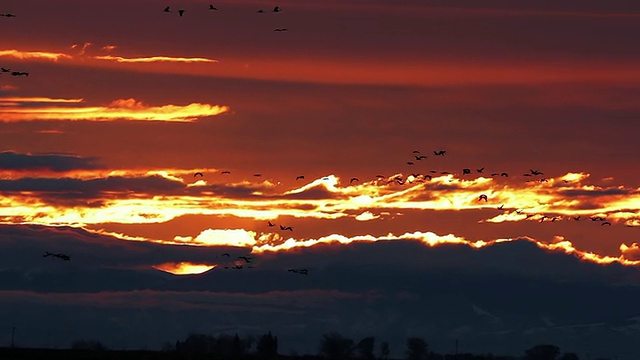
184,268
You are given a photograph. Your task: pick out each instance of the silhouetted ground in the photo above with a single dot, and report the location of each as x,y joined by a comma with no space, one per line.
73,354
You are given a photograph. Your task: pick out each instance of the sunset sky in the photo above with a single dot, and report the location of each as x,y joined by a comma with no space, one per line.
145,145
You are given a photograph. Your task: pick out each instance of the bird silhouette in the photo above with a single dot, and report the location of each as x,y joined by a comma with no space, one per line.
420,157
225,254
5,70
277,9
409,162
300,177
280,29
483,197
286,228
60,256
480,170
353,179
466,171
260,11
198,173
577,218
19,73
270,224
211,7
245,258
299,271
501,207
504,174
605,223
8,15
181,12
257,174
226,172
167,9
440,152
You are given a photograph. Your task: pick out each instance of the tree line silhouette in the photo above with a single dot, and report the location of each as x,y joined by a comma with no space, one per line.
331,346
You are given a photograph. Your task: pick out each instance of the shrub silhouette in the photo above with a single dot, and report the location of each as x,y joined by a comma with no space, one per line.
417,349
335,347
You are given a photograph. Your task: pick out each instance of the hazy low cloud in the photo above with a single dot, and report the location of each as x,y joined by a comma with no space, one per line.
10,160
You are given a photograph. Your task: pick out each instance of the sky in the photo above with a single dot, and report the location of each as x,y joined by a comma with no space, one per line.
408,155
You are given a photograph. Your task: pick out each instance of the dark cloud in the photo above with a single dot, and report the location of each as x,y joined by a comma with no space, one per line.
596,192
497,299
72,191
10,160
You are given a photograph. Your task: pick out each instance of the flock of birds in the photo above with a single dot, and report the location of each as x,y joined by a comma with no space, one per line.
181,12
533,175
245,261
14,73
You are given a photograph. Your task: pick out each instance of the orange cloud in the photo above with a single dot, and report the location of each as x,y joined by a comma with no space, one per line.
121,109
154,59
34,55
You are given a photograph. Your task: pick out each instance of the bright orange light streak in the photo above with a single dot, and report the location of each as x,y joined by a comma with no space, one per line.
38,55
37,100
154,59
122,109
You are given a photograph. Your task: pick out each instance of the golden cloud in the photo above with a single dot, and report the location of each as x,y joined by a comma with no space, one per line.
154,59
34,55
121,109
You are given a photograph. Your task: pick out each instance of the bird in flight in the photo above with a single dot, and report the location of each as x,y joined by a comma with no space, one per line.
198,173
257,174
353,179
286,228
409,162
466,171
167,9
536,172
181,12
277,9
440,152
299,271
225,254
280,29
8,15
270,224
226,172
245,258
501,207
211,7
480,170
483,197
605,223
20,73
5,70
60,256
420,157
300,177
260,11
